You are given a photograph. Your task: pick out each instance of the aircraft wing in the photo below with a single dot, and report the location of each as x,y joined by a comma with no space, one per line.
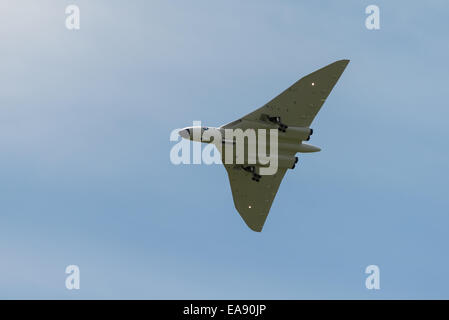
253,199
298,105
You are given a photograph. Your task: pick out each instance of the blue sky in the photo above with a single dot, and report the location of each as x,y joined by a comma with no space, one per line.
86,179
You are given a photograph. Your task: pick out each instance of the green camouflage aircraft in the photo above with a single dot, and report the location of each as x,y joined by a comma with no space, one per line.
291,114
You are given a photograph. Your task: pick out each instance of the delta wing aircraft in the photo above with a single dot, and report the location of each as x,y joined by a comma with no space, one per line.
291,114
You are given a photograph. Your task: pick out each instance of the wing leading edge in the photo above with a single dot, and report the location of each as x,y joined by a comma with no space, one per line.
299,104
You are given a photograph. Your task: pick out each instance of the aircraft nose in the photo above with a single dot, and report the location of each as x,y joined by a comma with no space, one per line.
184,133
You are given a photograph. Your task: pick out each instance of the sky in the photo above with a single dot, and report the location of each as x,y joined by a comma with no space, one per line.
86,177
